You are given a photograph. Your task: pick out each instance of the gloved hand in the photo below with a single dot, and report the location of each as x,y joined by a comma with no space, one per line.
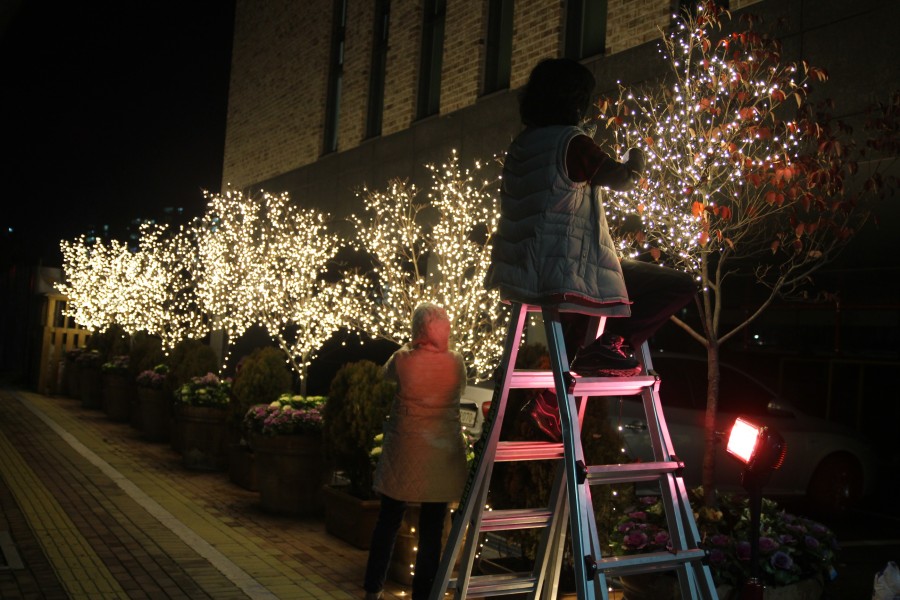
634,160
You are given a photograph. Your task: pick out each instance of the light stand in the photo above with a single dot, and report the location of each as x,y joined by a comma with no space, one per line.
762,451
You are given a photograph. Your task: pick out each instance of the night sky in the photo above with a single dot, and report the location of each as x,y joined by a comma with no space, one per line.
111,111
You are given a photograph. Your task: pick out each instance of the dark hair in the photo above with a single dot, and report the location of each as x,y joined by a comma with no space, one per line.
558,92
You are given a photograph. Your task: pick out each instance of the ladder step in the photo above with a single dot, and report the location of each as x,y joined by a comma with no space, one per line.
511,451
651,561
498,585
625,473
518,518
584,386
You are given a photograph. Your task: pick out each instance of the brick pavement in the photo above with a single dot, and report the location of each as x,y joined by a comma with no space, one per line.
94,511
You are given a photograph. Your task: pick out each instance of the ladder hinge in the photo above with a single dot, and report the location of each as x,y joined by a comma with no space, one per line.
581,471
590,567
570,382
680,470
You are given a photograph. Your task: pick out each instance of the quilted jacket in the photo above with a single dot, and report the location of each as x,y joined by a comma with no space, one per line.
423,457
552,244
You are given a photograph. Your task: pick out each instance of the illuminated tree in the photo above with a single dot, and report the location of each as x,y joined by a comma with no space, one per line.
96,282
433,250
742,174
165,301
265,261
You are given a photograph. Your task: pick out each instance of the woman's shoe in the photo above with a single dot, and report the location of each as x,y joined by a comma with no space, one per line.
606,357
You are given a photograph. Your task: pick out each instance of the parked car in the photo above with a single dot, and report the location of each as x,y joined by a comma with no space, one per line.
828,464
832,466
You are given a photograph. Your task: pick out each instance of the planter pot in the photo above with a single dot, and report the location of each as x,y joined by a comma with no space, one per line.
289,473
118,389
135,410
156,409
70,378
90,387
242,466
349,518
202,431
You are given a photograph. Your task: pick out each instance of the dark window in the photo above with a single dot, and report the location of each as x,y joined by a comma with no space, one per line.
379,65
585,28
498,45
335,76
432,53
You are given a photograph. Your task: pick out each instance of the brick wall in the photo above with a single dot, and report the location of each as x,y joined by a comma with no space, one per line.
276,111
277,92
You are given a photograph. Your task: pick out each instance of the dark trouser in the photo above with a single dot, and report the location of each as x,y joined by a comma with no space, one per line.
428,557
656,294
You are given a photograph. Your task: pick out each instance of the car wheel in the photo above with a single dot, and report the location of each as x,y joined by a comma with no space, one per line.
836,485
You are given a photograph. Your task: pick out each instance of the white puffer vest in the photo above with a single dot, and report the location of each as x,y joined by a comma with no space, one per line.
552,244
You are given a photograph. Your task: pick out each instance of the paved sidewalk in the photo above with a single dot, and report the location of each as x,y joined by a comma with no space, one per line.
90,510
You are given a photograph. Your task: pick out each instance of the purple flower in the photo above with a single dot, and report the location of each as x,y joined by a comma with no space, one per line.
661,538
781,560
716,557
638,515
636,540
786,539
720,539
743,550
648,500
767,544
811,542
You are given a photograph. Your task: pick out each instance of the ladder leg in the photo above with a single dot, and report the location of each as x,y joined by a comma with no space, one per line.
474,496
584,549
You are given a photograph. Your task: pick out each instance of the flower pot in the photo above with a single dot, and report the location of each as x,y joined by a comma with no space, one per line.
89,387
134,410
118,390
289,473
242,466
349,518
156,408
202,431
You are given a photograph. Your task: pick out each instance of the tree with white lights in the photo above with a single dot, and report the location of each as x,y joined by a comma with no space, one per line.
436,250
265,261
97,278
733,180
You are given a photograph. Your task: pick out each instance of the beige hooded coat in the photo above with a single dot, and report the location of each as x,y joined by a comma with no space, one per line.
423,456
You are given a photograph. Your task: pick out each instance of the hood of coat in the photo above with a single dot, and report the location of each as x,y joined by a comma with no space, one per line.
431,330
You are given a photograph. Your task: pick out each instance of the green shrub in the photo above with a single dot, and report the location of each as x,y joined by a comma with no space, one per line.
146,352
190,358
263,376
358,402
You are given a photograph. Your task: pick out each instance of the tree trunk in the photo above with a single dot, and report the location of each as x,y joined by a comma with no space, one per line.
710,439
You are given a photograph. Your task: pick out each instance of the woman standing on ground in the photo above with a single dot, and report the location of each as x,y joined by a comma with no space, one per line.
423,456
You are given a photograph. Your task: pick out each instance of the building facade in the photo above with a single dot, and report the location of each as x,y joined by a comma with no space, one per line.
328,96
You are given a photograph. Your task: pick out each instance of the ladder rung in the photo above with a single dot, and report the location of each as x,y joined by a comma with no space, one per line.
651,561
625,473
498,585
518,518
584,386
511,451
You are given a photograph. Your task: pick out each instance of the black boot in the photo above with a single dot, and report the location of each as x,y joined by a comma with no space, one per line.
607,356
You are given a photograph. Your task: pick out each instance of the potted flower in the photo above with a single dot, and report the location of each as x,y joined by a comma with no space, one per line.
118,388
89,378
154,403
796,554
286,437
259,378
359,399
70,372
145,353
189,358
202,410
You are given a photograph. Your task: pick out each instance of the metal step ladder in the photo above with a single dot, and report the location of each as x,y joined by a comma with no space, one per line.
571,491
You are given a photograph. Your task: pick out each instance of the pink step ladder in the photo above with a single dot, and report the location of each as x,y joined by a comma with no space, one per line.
570,496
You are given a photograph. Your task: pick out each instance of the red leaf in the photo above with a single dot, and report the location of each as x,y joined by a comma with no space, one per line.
697,209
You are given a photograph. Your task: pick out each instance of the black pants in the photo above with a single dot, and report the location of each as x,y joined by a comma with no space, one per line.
656,294
428,557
